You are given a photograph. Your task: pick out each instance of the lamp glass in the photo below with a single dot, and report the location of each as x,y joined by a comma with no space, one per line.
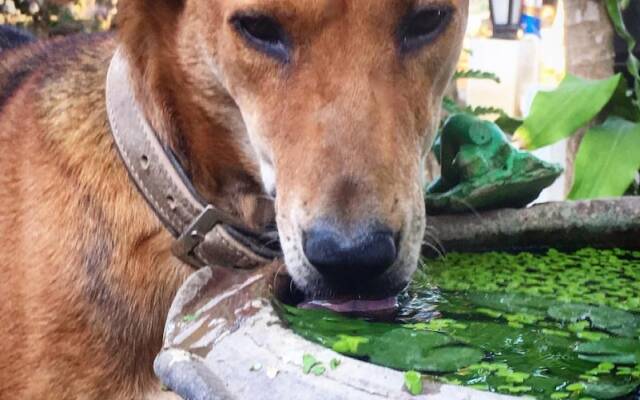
501,11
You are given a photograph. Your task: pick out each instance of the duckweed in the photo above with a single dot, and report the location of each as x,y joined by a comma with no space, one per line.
552,326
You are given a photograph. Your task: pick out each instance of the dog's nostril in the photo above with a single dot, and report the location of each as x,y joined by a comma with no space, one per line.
362,256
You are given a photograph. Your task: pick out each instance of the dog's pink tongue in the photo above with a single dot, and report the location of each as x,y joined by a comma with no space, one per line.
383,308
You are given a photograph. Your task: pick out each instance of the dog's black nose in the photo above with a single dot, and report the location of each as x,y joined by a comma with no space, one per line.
361,256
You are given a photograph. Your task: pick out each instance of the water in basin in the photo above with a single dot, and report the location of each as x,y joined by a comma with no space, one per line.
553,325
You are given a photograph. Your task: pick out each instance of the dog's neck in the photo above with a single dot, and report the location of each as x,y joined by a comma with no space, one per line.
204,130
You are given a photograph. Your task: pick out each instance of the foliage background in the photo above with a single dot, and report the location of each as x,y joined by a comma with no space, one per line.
48,18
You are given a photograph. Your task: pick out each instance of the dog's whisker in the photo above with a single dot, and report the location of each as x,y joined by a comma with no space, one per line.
435,241
440,253
471,208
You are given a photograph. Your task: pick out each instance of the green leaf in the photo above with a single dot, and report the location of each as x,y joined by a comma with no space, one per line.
558,114
318,369
612,350
606,391
576,387
334,363
413,382
416,347
451,107
511,302
449,359
308,362
610,319
190,317
622,104
633,64
608,160
514,389
508,124
476,74
348,344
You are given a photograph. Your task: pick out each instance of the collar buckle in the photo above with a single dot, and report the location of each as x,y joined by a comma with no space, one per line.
183,247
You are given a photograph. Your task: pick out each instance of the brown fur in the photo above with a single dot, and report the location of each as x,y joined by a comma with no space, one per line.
86,274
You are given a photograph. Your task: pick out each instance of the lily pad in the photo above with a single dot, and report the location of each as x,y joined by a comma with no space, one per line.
511,302
609,319
449,359
421,351
605,391
614,350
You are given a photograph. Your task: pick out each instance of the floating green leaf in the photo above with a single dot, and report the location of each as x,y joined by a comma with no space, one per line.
413,382
349,344
449,359
607,318
606,391
415,352
613,350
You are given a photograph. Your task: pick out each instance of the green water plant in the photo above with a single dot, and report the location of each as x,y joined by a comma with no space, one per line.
413,382
310,365
507,323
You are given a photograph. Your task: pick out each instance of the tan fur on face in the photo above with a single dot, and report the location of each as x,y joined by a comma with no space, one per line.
86,275
345,125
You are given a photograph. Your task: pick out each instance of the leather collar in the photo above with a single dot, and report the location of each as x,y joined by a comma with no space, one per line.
205,235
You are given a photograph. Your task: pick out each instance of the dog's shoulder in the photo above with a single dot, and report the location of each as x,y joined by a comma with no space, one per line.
56,62
11,37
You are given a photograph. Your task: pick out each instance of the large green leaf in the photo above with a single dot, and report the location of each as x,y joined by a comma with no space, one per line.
558,114
622,104
608,160
614,7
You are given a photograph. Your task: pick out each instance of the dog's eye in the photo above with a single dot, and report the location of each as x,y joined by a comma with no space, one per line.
264,34
421,27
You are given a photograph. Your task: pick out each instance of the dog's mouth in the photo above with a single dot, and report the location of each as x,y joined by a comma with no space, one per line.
378,305
385,308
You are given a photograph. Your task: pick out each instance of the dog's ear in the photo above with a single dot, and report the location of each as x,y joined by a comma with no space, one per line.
147,27
147,31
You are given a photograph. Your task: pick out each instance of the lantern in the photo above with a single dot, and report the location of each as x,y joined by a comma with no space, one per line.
505,16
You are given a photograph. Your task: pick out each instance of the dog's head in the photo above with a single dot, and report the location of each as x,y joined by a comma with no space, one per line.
336,103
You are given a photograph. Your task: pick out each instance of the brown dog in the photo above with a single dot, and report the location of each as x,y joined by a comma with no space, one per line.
330,103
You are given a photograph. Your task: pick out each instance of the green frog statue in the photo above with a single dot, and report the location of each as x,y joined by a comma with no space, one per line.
482,170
